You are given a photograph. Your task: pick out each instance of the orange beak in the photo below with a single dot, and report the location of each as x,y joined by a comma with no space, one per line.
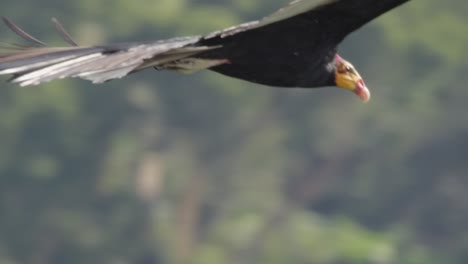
348,78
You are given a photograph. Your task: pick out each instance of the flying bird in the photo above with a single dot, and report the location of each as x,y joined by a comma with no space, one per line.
293,47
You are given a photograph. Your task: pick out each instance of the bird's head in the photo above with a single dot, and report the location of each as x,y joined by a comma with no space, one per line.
348,78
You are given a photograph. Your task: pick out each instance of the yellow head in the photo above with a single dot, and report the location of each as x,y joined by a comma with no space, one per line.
348,78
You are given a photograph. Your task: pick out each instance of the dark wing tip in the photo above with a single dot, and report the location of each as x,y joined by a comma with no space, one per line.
26,36
20,32
63,33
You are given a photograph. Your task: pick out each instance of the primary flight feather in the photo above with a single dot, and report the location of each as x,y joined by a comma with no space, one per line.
294,47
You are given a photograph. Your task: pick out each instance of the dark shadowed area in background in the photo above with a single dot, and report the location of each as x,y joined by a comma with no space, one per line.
168,168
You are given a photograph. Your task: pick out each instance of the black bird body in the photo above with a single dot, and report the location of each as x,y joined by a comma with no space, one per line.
294,47
279,56
298,51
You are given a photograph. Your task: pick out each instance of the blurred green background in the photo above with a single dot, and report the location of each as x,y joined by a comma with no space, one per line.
168,168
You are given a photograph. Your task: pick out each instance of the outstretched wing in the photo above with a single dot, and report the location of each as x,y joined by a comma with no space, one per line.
31,65
336,17
327,22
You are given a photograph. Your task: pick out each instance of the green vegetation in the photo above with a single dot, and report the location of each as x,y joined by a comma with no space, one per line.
204,169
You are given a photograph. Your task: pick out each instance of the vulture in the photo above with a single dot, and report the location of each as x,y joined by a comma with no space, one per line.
293,47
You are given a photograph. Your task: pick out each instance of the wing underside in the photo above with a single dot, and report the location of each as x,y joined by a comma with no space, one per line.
32,65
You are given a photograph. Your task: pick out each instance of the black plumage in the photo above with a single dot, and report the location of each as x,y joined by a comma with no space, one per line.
294,47
296,51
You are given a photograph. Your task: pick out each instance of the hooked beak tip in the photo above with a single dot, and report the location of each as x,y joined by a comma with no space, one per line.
362,91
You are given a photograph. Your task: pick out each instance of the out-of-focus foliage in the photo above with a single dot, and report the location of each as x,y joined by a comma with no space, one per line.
166,168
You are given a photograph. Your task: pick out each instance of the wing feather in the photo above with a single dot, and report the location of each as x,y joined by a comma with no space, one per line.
35,65
20,32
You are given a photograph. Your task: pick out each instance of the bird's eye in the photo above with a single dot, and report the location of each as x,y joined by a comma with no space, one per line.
345,69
